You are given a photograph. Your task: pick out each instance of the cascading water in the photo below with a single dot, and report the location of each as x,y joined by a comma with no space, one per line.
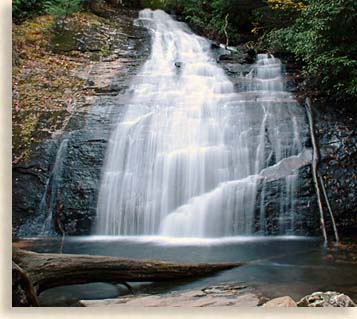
42,225
188,155
49,199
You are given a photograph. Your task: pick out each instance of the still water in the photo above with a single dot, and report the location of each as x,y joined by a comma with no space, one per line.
277,266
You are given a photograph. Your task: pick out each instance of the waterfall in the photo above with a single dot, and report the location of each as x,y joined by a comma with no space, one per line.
190,152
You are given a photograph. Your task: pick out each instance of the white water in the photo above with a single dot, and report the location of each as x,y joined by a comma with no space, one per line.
187,158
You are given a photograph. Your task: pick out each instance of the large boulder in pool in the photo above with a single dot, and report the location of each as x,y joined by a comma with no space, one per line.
326,299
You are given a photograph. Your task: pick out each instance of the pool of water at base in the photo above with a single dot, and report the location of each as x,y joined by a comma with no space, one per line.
278,266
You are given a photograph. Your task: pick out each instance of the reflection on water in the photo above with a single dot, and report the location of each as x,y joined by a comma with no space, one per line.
277,265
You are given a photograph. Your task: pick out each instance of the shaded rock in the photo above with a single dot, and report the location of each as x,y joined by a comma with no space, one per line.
215,45
326,299
285,301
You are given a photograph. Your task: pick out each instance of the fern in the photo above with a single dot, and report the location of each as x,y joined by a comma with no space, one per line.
62,8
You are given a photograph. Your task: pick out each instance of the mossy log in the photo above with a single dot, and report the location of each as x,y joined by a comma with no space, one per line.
52,270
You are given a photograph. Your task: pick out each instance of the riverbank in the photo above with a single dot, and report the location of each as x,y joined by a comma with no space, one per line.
224,296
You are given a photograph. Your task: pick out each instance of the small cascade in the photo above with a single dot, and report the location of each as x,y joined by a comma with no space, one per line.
43,224
49,202
190,153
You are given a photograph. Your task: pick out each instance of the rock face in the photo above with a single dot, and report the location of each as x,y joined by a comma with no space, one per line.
305,214
280,302
337,134
326,299
44,194
70,197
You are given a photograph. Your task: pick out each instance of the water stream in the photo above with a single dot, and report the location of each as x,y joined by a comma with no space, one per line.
43,224
188,155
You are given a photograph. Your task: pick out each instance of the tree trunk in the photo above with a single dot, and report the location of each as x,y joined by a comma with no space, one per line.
314,164
52,270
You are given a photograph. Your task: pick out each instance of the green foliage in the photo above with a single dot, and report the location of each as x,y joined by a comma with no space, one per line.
62,8
22,9
277,14
208,17
155,4
324,37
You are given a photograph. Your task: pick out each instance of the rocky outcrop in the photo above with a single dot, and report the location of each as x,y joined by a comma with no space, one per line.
280,302
326,299
68,196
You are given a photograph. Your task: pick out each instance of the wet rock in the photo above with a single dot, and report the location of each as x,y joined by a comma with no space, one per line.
280,302
234,70
326,299
299,218
215,45
240,58
226,57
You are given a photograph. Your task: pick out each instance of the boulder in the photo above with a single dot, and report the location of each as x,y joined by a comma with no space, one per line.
285,301
326,299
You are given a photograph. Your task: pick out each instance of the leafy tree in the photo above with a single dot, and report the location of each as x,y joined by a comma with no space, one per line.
22,9
62,8
276,14
324,37
214,18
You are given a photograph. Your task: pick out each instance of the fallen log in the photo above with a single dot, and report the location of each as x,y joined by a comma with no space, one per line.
23,293
52,270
